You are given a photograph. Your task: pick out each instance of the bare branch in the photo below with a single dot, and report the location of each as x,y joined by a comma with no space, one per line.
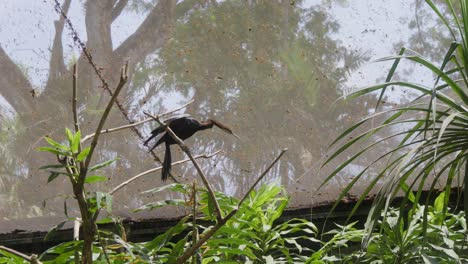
118,8
56,64
189,252
109,130
74,108
194,218
195,163
14,86
152,34
123,80
32,259
123,184
261,176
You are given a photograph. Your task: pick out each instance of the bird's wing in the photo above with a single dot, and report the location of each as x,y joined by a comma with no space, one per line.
161,129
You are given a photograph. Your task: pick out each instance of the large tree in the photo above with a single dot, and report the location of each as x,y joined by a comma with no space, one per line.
268,68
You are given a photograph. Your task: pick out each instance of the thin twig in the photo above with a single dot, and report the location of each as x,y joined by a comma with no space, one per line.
262,176
32,259
189,252
109,130
195,163
123,184
74,108
123,80
194,218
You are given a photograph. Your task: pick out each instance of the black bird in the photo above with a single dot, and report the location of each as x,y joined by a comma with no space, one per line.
184,127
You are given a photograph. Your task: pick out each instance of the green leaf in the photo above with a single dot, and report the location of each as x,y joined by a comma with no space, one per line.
53,151
449,252
109,199
56,144
161,241
54,166
228,250
99,196
151,206
95,178
69,136
54,229
439,202
269,259
53,175
103,164
175,187
83,154
211,206
389,76
63,250
106,220
178,248
75,144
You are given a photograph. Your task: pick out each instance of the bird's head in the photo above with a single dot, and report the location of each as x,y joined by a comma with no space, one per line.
223,127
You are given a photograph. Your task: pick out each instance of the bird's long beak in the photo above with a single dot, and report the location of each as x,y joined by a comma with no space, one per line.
234,134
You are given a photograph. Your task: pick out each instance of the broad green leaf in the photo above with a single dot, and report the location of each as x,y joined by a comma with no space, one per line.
83,154
95,178
450,252
439,203
269,259
75,144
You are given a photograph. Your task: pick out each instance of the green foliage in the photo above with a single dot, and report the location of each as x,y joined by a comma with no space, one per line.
252,234
403,241
431,129
256,235
71,158
9,258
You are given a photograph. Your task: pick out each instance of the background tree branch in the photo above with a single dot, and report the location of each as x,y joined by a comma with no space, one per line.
118,8
14,86
56,64
152,34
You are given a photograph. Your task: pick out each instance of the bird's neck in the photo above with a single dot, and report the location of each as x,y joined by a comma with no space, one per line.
206,125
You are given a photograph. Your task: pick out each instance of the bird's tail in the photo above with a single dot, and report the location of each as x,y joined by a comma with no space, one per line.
166,164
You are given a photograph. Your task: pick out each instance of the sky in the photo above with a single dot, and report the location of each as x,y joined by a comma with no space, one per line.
27,33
